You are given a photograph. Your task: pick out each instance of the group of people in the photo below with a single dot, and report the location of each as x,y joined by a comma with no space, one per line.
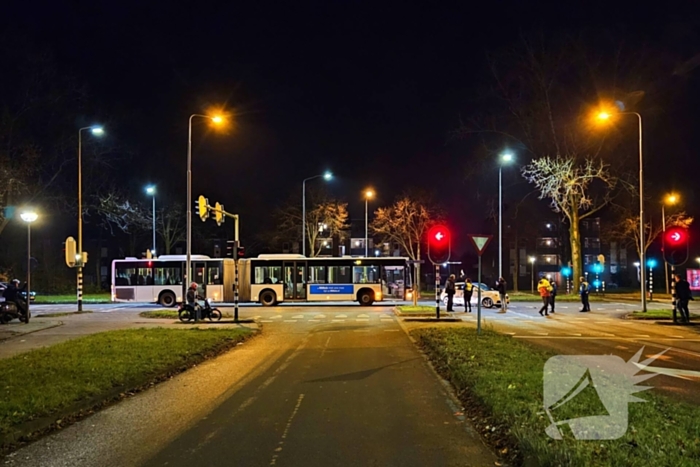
548,292
451,290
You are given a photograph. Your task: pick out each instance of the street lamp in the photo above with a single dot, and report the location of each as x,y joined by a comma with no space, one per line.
326,176
506,158
368,195
532,273
217,120
151,190
97,131
29,217
669,199
604,116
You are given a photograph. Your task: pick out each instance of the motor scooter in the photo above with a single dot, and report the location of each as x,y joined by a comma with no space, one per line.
186,313
10,311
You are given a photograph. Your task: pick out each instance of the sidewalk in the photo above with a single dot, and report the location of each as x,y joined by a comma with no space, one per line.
43,332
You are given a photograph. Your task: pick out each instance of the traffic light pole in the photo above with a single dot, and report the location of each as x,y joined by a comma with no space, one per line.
673,293
437,291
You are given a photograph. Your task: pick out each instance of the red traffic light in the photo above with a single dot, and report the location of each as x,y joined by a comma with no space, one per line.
675,236
439,244
439,235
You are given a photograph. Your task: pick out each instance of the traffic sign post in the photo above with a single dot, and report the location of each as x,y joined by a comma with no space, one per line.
480,243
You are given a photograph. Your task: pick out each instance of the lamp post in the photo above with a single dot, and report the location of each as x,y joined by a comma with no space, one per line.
29,217
505,159
97,131
368,194
326,176
670,199
603,116
532,274
151,190
188,265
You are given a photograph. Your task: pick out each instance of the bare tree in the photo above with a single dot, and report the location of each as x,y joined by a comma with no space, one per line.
627,230
324,211
171,226
571,187
406,223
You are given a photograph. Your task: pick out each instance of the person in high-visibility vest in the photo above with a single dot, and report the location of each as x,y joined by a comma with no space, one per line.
583,290
468,291
544,288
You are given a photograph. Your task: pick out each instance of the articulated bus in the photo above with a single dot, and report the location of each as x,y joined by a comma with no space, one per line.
267,279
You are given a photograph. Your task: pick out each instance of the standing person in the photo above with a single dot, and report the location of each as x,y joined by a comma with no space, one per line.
552,294
683,295
583,290
450,291
501,287
468,291
543,287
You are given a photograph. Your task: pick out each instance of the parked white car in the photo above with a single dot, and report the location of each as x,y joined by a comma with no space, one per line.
489,297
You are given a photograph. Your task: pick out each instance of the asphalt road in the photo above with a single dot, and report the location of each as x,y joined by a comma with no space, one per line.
321,387
335,386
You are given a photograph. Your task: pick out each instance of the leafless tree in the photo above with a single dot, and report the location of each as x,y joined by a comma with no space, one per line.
171,226
575,190
405,222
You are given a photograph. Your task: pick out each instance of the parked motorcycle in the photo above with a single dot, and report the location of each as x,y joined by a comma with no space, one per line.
10,311
187,314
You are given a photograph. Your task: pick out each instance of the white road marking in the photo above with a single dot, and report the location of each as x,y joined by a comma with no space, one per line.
298,317
290,321
639,335
341,316
391,330
574,334
320,316
363,316
542,333
621,347
314,321
266,321
362,319
338,320
325,347
511,333
679,337
276,317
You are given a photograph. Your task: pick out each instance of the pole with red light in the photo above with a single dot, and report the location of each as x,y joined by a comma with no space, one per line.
675,249
439,250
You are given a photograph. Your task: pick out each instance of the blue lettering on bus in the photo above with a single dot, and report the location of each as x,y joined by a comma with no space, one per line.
330,289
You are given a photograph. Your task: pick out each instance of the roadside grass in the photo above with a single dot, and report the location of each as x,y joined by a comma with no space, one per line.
657,314
62,313
499,381
172,314
49,386
71,298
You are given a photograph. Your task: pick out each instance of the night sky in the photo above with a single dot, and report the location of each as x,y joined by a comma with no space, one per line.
369,90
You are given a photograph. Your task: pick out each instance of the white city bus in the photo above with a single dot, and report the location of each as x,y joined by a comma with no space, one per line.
267,279
271,279
159,280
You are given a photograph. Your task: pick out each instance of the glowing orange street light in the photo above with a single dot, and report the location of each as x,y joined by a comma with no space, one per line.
218,119
368,195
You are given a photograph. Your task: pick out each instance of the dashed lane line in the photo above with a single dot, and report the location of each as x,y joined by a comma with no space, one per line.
298,317
341,316
290,321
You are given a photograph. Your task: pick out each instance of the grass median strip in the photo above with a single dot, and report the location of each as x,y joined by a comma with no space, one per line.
657,314
49,383
169,313
500,383
87,298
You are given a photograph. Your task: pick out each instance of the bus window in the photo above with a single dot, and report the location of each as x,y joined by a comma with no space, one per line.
317,275
214,275
131,274
168,273
268,274
365,274
339,275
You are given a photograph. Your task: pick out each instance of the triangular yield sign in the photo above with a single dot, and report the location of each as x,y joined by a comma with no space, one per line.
480,242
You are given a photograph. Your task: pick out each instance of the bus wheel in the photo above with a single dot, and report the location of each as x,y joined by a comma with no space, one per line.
366,298
167,299
268,298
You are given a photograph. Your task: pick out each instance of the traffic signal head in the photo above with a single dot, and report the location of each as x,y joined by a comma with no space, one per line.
439,244
202,208
219,213
675,245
